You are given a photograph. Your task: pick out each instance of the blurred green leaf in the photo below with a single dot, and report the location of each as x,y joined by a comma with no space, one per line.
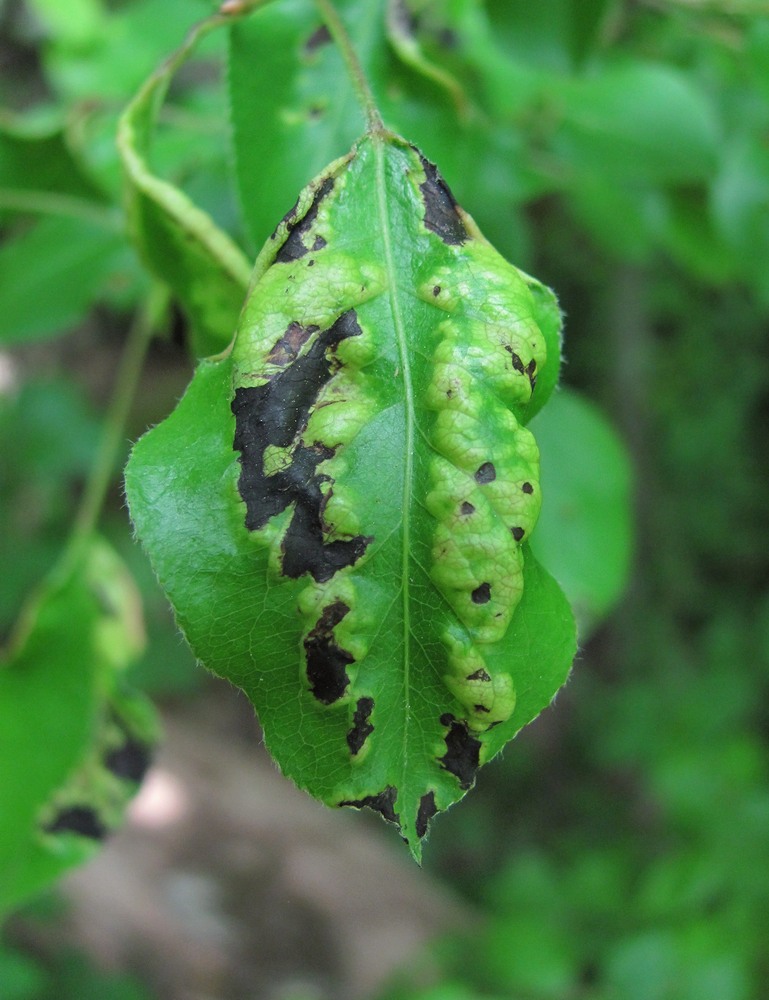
64,717
35,163
180,243
584,534
637,121
53,274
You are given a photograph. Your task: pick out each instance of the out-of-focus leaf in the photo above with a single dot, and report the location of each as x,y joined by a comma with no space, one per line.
47,440
584,534
73,742
53,274
637,121
741,206
180,243
35,163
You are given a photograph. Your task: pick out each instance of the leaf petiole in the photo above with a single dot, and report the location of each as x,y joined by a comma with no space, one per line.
358,78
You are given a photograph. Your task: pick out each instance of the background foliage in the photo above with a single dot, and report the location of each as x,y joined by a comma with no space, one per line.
619,152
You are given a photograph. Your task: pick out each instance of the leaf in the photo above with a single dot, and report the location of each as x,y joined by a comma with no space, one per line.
637,122
53,273
338,509
36,165
73,742
180,243
584,534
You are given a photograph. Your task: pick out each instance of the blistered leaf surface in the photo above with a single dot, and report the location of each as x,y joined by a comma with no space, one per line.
339,510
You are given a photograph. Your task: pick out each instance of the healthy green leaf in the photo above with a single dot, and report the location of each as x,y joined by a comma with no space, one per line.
584,534
53,273
73,741
637,122
339,509
180,243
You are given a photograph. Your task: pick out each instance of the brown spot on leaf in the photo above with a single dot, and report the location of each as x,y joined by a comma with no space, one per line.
527,488
361,727
518,533
287,348
436,290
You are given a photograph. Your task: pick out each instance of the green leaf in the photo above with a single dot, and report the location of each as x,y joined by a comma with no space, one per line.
339,508
73,742
584,534
39,172
285,135
637,122
53,274
180,243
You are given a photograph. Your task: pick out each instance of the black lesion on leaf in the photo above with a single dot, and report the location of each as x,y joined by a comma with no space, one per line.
518,533
129,761
527,488
436,290
294,246
478,675
275,414
441,215
427,809
462,757
481,594
82,820
383,802
485,473
327,662
361,727
466,509
320,37
529,370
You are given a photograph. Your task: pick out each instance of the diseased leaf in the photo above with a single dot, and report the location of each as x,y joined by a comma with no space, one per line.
339,509
74,742
179,242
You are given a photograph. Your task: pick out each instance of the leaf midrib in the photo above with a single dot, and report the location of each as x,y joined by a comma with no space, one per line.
380,145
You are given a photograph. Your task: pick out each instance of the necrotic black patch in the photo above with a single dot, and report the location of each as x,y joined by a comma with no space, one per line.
518,533
466,509
486,473
321,36
441,216
275,414
78,819
527,488
427,809
129,761
361,727
294,247
481,594
383,802
327,662
462,757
